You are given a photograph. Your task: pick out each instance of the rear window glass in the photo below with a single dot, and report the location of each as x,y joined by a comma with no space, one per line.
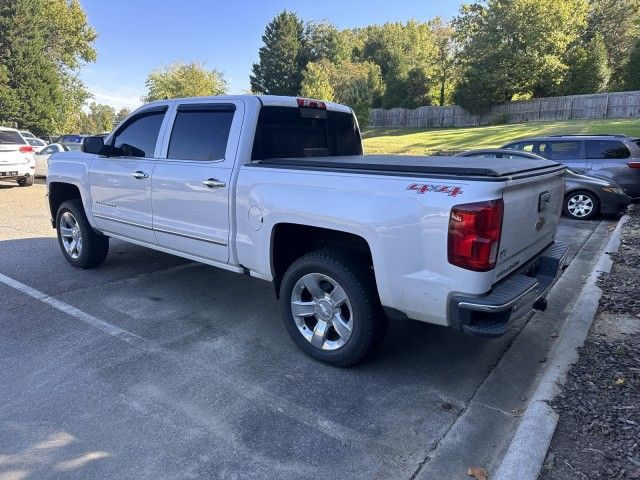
560,150
599,149
286,132
10,137
200,132
71,139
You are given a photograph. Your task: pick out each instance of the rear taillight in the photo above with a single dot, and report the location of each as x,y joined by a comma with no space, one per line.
308,103
474,235
634,164
26,149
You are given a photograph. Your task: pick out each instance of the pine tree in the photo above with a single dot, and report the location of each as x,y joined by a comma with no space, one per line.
283,57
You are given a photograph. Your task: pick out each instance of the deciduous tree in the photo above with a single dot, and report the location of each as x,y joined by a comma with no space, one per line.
632,70
42,44
316,83
184,80
445,50
618,22
514,47
589,68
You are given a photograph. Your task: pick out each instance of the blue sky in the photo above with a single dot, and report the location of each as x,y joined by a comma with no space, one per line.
136,36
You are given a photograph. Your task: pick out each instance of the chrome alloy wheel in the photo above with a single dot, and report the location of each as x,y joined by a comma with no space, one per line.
71,235
322,311
580,205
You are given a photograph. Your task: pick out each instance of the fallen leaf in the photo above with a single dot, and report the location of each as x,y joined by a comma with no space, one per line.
619,381
516,412
477,473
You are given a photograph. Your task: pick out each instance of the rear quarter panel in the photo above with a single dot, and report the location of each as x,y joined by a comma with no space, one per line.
406,230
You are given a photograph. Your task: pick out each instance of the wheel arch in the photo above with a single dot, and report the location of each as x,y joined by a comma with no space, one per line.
290,241
60,192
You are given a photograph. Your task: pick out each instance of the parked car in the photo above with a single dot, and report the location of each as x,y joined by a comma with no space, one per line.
36,143
71,142
27,134
278,188
43,155
17,161
585,197
613,157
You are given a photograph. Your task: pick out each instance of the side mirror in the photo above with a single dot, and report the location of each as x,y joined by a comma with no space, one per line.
93,145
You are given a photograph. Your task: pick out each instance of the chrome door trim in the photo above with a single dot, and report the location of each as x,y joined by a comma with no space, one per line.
133,224
160,230
192,237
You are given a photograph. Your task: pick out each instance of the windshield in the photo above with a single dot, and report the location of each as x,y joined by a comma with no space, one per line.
286,132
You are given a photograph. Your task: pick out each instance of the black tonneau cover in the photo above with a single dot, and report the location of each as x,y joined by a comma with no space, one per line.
418,165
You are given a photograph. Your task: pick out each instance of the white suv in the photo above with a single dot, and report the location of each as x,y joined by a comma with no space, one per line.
17,161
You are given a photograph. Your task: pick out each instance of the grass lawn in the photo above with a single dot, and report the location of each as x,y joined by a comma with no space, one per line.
425,141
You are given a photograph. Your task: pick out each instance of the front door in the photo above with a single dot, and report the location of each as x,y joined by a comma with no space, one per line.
191,186
120,181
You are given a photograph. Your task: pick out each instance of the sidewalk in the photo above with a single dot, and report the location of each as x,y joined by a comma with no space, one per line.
598,434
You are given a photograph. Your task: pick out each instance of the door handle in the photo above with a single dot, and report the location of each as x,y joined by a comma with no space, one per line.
213,183
139,175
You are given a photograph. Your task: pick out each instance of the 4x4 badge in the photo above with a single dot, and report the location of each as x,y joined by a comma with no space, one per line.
422,188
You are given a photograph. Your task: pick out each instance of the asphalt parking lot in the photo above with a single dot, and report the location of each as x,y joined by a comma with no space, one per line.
156,367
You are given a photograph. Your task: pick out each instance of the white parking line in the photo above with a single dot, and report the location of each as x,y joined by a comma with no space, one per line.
70,310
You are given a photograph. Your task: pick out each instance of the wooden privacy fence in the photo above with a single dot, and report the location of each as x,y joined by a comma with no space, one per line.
600,105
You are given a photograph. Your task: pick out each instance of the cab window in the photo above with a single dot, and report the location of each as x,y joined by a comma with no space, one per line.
137,137
200,132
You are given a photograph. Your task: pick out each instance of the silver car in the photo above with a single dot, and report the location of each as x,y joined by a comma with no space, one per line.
42,157
612,157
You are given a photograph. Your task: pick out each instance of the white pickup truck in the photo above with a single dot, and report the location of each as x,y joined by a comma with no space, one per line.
278,188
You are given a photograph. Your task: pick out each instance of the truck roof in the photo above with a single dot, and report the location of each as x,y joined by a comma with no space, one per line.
266,100
497,168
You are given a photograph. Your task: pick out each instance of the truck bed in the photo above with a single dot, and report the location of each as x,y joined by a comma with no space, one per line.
419,166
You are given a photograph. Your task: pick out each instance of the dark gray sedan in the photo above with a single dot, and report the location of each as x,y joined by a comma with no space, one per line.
585,197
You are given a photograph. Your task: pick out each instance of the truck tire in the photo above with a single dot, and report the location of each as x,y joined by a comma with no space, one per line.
26,181
330,307
581,205
80,244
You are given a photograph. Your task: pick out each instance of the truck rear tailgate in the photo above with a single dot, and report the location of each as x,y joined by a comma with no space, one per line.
532,208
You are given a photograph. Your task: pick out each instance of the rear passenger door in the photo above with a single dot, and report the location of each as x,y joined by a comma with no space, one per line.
567,152
191,185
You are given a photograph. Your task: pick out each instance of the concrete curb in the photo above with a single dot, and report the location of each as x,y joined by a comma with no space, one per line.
528,449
